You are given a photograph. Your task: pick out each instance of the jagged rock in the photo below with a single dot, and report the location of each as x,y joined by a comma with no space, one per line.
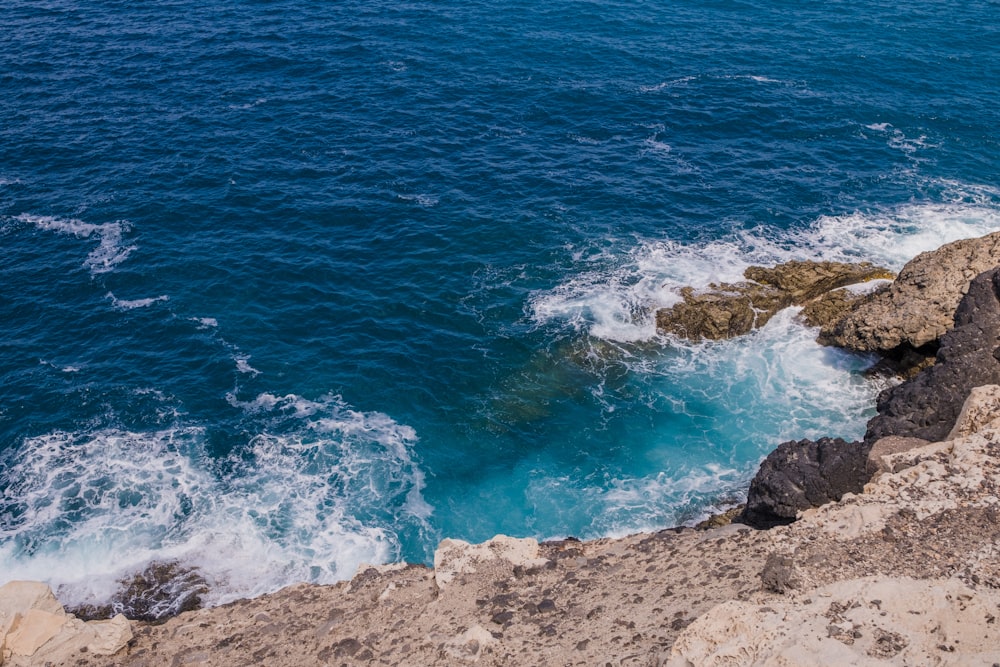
162,590
728,310
35,630
919,306
830,307
928,406
805,280
979,410
804,474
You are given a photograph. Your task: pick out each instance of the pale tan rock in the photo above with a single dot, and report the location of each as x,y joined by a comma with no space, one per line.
878,456
36,630
920,305
17,597
33,628
109,637
454,557
896,621
980,409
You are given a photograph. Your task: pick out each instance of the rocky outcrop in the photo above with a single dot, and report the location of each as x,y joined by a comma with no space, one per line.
804,474
928,405
830,307
800,475
35,630
728,310
919,306
161,590
905,573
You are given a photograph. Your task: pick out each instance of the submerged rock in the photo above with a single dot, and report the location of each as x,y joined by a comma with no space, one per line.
728,310
928,405
920,305
804,474
162,590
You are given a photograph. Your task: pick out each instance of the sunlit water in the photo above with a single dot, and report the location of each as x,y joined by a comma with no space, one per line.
292,286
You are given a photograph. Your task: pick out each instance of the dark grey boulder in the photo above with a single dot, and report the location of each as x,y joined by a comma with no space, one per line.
969,356
803,474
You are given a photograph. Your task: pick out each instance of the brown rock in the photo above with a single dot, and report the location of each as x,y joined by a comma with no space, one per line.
827,309
802,281
728,310
731,310
920,305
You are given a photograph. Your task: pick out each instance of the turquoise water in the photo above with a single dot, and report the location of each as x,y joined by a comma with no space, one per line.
290,286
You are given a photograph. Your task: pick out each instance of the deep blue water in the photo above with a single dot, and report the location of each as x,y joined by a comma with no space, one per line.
288,286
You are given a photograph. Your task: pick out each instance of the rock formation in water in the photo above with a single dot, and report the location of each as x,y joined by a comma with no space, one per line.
919,307
800,475
969,356
728,310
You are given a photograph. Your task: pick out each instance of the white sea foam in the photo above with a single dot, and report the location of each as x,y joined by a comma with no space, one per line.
81,510
132,304
426,201
111,249
206,322
64,369
653,145
899,140
667,84
734,400
243,364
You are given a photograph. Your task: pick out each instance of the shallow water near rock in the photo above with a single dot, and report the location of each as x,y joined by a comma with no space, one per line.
294,286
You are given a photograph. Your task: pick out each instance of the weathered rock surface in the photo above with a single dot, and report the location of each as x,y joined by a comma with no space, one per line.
35,630
881,457
928,405
728,310
454,558
804,474
830,307
856,622
919,306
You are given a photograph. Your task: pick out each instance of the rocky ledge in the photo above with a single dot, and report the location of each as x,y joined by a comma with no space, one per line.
882,552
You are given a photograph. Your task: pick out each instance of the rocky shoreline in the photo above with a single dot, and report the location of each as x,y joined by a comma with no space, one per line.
883,551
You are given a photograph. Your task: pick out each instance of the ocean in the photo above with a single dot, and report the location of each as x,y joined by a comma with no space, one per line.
289,286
